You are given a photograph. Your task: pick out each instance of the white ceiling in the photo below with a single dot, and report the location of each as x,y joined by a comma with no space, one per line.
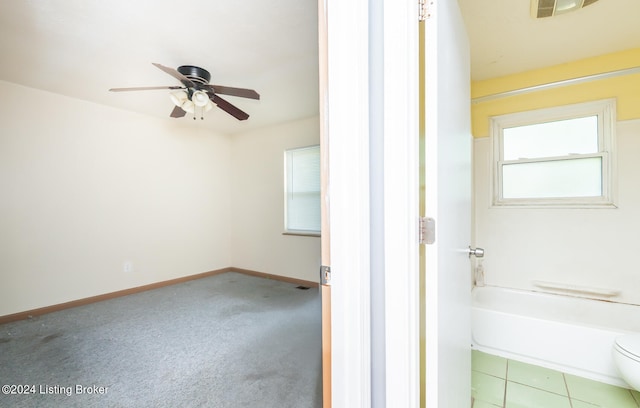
504,39
81,48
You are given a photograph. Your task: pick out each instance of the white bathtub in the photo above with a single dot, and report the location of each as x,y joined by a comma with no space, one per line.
569,334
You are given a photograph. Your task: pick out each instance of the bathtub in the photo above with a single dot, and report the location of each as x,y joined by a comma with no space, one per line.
565,333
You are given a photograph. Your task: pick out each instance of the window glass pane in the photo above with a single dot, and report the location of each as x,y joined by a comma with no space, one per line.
303,189
551,139
559,178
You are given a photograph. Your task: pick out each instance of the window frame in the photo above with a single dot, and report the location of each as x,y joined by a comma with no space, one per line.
604,109
287,230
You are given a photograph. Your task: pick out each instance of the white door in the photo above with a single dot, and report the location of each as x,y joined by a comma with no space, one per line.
345,84
447,279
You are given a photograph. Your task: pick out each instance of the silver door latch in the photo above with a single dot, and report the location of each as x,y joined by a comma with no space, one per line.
477,252
325,275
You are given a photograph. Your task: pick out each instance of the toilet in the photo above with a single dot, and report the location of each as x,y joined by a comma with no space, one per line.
626,354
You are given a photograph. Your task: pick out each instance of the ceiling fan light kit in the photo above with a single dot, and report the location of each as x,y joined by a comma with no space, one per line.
196,92
549,8
200,99
189,107
189,101
178,97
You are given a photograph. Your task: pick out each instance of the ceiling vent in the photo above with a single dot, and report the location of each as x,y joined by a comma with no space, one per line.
548,8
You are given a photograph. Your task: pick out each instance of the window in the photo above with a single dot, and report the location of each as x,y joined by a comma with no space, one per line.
560,157
302,191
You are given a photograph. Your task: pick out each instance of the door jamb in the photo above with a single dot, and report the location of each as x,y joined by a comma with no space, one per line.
347,110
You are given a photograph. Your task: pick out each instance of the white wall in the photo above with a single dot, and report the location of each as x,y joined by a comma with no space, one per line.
258,203
587,247
86,187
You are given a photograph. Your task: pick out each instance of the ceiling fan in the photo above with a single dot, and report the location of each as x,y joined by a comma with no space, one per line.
196,92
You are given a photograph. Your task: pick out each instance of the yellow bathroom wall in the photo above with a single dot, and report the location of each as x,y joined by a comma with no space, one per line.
625,88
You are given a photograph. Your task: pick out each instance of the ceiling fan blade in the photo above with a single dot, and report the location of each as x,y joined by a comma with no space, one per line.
144,88
174,73
177,112
229,108
241,92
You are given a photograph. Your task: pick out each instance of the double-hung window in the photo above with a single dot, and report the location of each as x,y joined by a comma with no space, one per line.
561,156
302,191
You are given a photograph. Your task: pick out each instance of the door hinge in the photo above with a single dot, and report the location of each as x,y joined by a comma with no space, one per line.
425,9
427,230
325,275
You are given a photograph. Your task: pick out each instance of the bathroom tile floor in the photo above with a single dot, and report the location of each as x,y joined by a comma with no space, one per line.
497,382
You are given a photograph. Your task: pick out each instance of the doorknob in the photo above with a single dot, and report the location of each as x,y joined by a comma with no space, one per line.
477,252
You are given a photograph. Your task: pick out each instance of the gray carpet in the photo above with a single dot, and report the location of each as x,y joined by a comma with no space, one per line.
225,341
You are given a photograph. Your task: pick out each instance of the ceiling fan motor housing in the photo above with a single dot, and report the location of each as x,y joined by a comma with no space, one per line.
197,75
